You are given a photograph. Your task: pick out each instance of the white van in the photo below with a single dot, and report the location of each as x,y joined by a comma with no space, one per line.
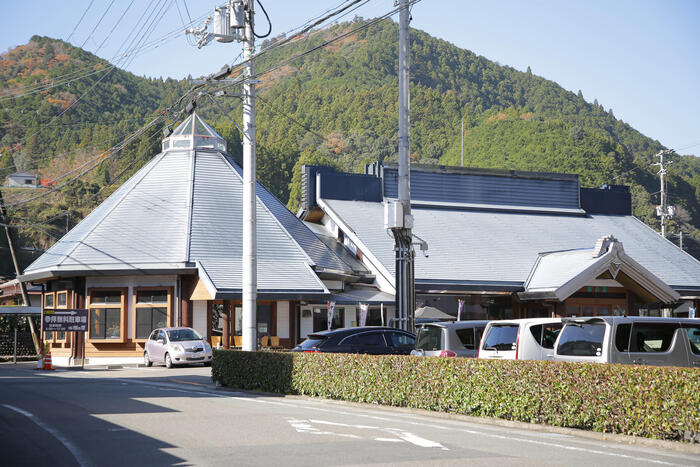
630,340
520,339
449,339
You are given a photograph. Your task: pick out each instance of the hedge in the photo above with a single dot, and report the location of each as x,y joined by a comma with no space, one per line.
653,402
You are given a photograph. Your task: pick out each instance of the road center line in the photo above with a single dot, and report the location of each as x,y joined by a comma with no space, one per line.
72,448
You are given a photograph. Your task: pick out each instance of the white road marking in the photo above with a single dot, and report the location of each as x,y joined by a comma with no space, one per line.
72,448
244,397
306,426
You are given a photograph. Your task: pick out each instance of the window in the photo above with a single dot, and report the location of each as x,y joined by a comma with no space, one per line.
652,337
694,337
585,339
62,302
264,317
546,334
106,315
365,339
374,317
152,310
466,337
28,181
622,337
49,300
501,337
62,299
399,339
429,338
321,319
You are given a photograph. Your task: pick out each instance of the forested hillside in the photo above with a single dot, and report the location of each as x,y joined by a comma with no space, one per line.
62,106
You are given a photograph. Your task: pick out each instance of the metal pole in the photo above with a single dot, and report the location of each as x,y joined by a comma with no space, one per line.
681,240
250,279
662,174
462,165
14,355
405,295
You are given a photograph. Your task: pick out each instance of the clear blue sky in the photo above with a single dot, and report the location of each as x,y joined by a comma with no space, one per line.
641,58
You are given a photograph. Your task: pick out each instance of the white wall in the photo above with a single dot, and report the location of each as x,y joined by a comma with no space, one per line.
199,317
306,325
283,320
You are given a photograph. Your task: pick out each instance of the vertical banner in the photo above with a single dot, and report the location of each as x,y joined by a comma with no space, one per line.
460,306
364,308
331,309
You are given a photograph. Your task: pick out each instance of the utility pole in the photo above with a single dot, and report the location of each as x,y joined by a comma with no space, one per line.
405,291
23,289
462,165
250,277
680,241
664,211
234,22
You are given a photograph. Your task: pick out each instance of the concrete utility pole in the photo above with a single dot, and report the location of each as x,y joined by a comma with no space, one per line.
462,165
664,211
10,245
405,291
234,22
250,275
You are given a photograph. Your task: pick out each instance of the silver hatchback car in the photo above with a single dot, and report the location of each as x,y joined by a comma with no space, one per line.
176,346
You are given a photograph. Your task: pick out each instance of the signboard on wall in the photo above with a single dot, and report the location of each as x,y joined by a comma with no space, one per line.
64,320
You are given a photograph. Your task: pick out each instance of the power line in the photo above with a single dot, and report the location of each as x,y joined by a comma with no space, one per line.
80,20
98,23
114,27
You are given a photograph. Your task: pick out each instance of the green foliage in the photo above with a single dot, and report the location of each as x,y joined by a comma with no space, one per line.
652,402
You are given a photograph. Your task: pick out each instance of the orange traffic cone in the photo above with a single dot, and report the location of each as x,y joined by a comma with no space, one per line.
40,361
47,361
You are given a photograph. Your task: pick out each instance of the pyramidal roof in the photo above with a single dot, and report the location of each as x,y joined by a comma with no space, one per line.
183,211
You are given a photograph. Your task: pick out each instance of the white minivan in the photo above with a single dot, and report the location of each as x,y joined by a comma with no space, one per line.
631,340
520,339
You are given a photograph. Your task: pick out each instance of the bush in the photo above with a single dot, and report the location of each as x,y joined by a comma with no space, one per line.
653,402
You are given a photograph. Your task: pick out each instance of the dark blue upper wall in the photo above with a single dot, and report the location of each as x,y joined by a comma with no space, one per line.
613,199
338,185
511,188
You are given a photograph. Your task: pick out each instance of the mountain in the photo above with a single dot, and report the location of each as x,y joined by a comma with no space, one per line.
337,105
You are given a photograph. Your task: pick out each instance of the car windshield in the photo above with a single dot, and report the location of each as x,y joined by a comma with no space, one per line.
429,338
177,335
501,337
585,340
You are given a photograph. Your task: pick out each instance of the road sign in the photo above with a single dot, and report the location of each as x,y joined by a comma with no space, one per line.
65,320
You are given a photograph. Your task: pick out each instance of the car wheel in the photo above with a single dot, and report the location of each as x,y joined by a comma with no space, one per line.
168,361
146,359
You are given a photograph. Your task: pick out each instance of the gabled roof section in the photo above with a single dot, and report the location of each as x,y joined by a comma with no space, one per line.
557,275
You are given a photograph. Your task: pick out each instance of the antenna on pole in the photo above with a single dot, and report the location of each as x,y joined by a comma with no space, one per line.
234,22
664,211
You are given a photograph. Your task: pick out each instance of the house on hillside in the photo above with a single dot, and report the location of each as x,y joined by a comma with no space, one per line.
166,249
21,180
510,244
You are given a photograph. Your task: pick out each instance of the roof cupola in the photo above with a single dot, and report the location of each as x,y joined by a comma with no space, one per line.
194,133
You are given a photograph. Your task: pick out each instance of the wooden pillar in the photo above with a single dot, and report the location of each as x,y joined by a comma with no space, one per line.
186,284
78,341
210,305
226,334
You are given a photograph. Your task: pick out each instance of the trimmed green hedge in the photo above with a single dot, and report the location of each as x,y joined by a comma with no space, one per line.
653,402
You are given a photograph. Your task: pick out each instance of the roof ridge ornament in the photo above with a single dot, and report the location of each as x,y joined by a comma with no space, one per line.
603,245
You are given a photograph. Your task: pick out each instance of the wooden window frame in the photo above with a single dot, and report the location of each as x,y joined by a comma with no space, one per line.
169,305
52,338
68,305
124,291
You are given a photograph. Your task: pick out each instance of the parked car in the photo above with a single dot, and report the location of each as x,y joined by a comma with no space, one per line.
375,340
520,339
449,339
176,346
630,340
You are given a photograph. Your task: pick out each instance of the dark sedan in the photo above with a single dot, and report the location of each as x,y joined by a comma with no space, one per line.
375,340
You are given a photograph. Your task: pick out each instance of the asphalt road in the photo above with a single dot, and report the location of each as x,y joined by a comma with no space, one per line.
155,416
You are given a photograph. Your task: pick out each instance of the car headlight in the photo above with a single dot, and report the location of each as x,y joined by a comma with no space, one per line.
207,347
178,348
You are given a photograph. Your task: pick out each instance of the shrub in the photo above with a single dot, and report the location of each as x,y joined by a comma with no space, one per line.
653,402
